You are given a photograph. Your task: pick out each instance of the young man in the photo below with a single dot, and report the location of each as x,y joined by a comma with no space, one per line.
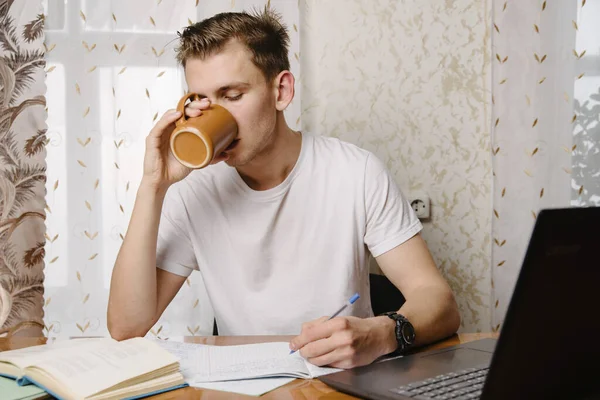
281,230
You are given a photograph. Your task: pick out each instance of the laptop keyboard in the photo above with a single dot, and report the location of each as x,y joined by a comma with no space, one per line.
459,385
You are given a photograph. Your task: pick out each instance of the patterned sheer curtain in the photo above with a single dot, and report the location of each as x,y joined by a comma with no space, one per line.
111,74
546,131
22,164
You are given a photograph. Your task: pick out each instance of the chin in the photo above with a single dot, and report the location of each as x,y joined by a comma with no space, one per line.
238,161
235,161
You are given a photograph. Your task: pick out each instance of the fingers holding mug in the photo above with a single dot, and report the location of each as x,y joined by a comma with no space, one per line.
194,108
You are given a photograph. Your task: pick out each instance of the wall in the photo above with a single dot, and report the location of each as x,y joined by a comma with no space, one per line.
410,81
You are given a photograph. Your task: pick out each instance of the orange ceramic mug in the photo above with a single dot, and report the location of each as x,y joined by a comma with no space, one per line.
196,141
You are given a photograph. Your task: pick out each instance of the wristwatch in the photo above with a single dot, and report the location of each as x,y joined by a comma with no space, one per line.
405,332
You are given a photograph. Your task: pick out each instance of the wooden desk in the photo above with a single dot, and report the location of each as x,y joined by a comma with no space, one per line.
297,390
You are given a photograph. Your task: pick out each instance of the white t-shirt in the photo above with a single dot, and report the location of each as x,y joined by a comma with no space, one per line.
274,259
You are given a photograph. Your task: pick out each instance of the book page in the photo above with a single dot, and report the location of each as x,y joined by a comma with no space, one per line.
201,363
30,355
105,364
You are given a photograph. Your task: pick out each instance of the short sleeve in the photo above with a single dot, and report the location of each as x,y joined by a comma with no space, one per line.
390,220
174,250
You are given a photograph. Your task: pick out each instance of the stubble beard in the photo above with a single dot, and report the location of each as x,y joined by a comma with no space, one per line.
259,148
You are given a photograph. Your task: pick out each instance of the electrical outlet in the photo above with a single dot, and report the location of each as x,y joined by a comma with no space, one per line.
420,204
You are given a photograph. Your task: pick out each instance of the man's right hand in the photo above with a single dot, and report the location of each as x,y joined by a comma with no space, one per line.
161,168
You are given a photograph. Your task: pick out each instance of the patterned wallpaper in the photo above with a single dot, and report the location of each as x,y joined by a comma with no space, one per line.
410,81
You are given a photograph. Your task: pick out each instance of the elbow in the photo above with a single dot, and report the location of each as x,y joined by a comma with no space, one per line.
455,321
119,330
452,315
120,333
115,329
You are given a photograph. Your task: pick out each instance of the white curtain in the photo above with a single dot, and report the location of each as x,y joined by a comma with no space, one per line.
546,132
111,74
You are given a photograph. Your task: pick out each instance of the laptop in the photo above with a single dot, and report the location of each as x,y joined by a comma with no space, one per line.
549,344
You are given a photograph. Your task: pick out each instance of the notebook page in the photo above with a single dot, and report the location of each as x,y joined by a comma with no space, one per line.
254,361
188,359
316,371
250,387
223,363
191,364
105,364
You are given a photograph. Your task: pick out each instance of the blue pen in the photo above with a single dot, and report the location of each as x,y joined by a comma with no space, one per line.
335,314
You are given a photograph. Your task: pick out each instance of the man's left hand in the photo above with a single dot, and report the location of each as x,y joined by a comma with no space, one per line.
345,342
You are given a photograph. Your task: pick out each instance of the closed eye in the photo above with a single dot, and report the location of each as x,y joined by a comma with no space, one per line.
234,98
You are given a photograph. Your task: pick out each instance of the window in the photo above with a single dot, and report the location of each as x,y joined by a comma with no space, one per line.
585,184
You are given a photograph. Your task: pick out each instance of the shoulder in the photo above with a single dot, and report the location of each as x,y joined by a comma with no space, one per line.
339,151
197,184
345,155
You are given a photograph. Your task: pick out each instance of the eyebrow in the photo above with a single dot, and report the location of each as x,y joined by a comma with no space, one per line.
233,85
229,86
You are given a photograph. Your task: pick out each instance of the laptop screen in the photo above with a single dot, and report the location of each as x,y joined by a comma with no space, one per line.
549,345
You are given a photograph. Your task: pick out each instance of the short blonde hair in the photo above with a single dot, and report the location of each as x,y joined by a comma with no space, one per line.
262,32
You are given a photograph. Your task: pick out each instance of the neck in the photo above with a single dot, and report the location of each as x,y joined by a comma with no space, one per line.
276,161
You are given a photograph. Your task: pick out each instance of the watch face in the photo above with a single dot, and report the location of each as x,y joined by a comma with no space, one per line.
408,332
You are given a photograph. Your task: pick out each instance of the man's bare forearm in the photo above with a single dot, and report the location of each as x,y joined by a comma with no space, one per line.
133,292
432,311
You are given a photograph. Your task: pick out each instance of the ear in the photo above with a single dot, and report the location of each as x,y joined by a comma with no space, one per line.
284,90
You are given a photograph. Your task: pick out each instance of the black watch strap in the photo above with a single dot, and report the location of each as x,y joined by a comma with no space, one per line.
404,331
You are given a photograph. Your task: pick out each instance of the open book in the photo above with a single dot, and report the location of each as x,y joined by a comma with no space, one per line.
99,369
202,363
